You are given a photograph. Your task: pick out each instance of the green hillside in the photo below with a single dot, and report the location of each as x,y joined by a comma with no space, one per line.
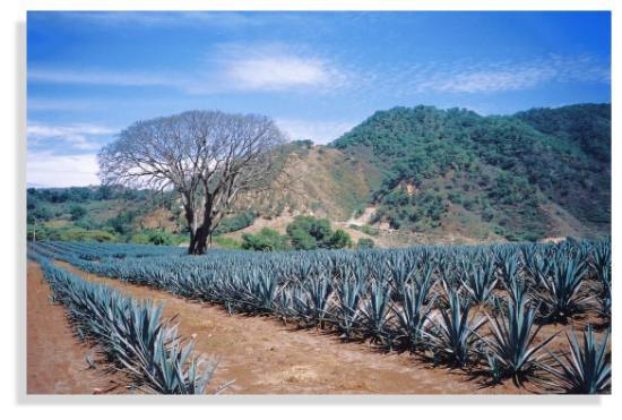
524,175
421,172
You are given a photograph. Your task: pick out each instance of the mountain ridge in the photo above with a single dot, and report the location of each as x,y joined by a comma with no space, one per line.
432,175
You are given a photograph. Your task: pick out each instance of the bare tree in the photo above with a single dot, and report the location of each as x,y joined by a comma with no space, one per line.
208,157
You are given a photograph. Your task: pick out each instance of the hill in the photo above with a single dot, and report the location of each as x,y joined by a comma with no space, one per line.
518,176
404,175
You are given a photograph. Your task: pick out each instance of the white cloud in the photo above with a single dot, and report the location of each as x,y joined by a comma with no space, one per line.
320,132
48,170
490,77
231,67
495,81
276,66
76,136
276,73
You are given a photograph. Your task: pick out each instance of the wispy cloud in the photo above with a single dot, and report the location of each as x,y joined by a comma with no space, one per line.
278,72
490,77
272,67
77,137
229,68
46,169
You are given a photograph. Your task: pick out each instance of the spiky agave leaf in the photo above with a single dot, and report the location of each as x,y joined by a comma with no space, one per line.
375,312
585,370
349,312
561,297
130,332
320,291
537,267
454,334
513,335
479,283
412,314
601,263
401,270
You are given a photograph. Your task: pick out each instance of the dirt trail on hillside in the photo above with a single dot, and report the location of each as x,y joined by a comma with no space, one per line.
264,356
55,358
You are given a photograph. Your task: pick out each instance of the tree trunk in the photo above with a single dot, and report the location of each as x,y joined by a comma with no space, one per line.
194,232
201,246
192,242
199,236
198,243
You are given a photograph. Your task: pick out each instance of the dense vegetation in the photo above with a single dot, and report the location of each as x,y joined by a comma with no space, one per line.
303,233
539,173
505,169
112,214
479,308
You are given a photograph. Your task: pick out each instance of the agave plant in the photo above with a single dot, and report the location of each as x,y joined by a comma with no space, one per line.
424,281
585,370
604,297
512,342
412,314
254,291
375,313
349,312
517,289
173,371
480,283
561,297
130,333
602,266
453,336
509,263
313,307
401,271
538,268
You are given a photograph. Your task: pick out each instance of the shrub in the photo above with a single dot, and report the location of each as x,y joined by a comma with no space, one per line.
365,243
266,240
307,232
77,212
227,243
340,239
155,237
235,223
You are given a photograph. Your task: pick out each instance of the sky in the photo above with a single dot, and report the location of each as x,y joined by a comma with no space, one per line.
317,74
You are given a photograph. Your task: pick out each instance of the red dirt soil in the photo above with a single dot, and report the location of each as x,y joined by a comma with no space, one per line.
55,358
263,356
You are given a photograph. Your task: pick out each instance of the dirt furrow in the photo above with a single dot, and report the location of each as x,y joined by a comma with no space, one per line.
264,356
55,358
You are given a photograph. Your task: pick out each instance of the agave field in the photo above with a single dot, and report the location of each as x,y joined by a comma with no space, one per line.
490,310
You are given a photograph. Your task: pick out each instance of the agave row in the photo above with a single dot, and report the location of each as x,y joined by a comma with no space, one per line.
130,333
425,299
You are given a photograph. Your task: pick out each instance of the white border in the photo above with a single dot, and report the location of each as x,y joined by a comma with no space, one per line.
13,180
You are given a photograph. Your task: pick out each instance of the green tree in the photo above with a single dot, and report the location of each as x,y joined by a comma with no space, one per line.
77,212
265,240
307,232
340,239
365,243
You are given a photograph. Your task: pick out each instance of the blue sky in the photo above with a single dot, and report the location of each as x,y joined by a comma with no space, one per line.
317,74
